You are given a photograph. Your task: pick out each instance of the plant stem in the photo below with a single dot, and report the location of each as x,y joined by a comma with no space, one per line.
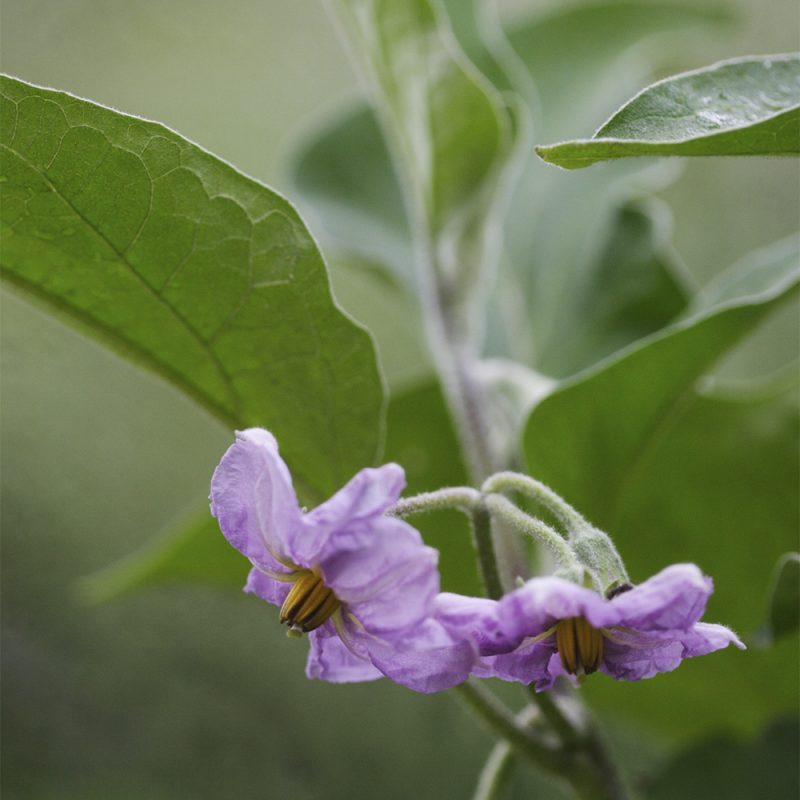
484,545
498,717
505,510
569,517
461,498
495,773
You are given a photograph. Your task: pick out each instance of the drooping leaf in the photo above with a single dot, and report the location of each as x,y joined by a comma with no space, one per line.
676,474
748,106
176,260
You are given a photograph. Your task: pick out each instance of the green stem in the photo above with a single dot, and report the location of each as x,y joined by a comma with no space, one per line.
484,545
505,510
494,776
498,717
461,498
569,517
555,717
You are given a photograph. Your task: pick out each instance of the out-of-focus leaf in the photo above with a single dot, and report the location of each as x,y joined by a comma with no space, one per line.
748,106
343,175
635,287
449,128
723,768
195,553
377,299
169,255
674,474
548,251
420,437
580,58
783,612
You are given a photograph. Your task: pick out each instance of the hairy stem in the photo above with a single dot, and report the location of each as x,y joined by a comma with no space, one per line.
540,493
461,498
505,510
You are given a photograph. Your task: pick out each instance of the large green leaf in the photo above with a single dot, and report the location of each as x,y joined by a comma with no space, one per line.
674,474
748,106
169,255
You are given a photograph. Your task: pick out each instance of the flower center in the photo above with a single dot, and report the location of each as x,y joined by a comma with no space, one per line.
309,603
580,645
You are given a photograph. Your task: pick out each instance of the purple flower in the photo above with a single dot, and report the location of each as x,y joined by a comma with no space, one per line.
551,627
361,584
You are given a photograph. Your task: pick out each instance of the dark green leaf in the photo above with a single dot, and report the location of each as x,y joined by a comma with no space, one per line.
723,768
748,106
783,615
677,474
175,259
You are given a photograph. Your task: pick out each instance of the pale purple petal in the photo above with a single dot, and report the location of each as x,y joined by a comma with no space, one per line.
330,660
369,493
631,656
475,618
428,660
351,511
527,664
706,638
541,602
253,499
674,599
383,573
266,588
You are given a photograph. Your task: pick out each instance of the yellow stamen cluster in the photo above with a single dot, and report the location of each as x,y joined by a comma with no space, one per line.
309,603
580,645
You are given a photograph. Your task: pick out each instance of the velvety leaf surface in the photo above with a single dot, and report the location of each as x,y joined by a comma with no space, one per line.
175,259
677,474
748,106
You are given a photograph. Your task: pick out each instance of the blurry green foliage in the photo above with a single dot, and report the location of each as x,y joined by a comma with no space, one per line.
183,692
170,256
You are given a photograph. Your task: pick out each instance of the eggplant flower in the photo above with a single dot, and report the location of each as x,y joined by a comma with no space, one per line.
360,584
551,627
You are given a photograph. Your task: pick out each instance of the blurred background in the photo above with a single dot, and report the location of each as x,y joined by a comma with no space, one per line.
191,691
